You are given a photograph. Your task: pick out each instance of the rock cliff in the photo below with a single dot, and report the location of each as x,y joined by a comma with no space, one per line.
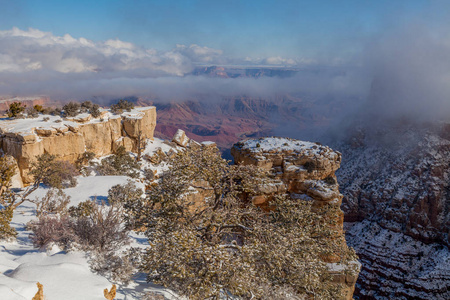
396,186
305,171
24,139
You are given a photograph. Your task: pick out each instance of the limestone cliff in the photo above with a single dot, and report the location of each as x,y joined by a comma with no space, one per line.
305,171
24,139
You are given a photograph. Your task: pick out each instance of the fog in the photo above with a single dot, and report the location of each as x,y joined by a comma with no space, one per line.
402,71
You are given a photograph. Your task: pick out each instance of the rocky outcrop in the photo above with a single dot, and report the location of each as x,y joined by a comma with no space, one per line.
24,139
298,167
397,266
396,185
305,171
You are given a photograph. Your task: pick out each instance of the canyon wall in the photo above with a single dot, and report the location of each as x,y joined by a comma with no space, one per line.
304,171
396,187
68,138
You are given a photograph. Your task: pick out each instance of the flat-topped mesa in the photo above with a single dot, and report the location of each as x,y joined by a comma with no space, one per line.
68,138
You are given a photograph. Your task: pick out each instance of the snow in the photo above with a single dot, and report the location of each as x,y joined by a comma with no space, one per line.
153,145
151,148
89,188
28,126
64,275
136,113
278,144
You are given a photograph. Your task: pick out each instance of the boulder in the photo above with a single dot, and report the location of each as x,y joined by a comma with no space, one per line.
180,138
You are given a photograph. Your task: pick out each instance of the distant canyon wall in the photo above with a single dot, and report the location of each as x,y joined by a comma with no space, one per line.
396,187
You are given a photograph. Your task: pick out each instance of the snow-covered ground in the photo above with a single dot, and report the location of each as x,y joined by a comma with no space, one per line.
49,122
66,275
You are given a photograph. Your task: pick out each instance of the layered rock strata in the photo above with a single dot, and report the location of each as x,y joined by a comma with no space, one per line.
24,139
396,187
306,171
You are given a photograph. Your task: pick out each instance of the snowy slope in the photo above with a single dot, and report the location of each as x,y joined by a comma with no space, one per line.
63,275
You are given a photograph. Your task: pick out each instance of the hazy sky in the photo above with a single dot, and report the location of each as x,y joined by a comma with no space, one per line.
394,53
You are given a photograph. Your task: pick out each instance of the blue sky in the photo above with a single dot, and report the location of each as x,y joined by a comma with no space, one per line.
240,28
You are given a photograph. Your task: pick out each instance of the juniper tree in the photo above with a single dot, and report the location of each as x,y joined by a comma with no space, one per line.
228,246
46,169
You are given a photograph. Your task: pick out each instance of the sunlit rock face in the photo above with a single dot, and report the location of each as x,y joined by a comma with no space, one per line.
24,139
297,167
396,187
304,170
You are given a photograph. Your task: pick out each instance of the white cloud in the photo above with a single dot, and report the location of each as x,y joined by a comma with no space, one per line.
200,54
277,60
25,50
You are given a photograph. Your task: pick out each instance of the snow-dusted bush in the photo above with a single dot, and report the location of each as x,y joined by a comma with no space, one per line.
54,202
54,173
95,110
228,246
102,229
48,229
83,161
71,109
86,106
15,109
123,193
89,107
114,265
6,199
32,113
121,106
6,231
119,163
83,209
96,228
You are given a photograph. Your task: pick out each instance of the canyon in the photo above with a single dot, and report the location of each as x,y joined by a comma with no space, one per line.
395,182
287,160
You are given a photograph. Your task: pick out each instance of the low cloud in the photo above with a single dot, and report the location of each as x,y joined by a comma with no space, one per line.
410,71
402,71
33,62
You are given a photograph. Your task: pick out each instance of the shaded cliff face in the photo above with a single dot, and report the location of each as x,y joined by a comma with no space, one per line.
24,139
398,180
305,171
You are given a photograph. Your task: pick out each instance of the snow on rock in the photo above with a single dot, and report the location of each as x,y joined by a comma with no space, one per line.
305,171
295,158
68,138
180,138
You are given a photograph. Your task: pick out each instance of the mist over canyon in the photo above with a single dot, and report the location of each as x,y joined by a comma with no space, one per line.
383,103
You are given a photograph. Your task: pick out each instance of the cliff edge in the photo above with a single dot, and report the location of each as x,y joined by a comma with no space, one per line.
304,171
68,138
